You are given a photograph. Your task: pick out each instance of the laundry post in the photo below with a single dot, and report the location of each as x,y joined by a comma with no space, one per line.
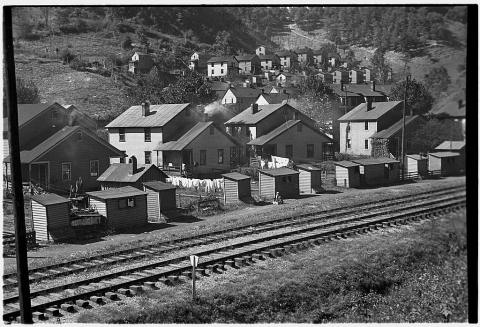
194,262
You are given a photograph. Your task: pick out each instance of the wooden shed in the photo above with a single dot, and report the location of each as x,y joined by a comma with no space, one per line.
161,197
236,186
124,207
456,147
51,217
447,163
378,171
282,180
310,179
347,173
417,165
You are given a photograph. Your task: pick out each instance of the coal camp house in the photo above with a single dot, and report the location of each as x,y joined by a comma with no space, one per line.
140,63
269,62
140,129
248,64
222,66
57,151
288,59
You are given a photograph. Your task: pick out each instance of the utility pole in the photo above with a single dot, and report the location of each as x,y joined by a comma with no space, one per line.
16,172
403,125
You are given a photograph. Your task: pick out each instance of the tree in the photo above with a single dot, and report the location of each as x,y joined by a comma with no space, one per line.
27,92
188,88
127,43
380,67
437,81
223,44
434,132
142,38
419,101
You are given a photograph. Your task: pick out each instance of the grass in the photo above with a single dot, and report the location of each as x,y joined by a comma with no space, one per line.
415,274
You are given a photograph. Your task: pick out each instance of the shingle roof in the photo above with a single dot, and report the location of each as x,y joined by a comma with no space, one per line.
246,92
115,193
317,52
247,117
118,172
235,176
416,157
29,156
27,112
49,198
378,110
451,145
219,86
221,59
346,164
267,57
159,186
273,98
308,167
444,154
285,53
245,57
160,114
375,161
361,90
395,128
279,171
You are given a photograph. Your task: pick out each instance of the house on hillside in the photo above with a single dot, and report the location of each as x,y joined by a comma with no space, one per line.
222,66
367,74
248,64
269,62
258,120
294,140
288,79
130,174
260,50
305,56
72,155
455,110
356,76
76,117
333,59
204,150
272,98
341,76
325,77
362,122
288,59
219,87
139,129
140,63
456,147
198,62
388,142
317,56
242,96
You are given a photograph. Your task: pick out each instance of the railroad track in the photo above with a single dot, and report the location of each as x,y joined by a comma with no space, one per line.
107,287
138,253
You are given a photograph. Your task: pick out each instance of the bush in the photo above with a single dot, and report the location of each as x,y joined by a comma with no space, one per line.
67,56
124,28
78,64
77,26
249,171
339,156
127,43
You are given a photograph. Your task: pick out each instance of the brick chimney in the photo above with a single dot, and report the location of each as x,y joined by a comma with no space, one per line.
369,103
132,169
341,85
254,108
145,108
373,85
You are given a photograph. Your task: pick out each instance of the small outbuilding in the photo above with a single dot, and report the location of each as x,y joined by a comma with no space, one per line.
282,180
124,207
447,163
454,146
51,217
347,173
378,171
417,165
236,187
310,179
161,197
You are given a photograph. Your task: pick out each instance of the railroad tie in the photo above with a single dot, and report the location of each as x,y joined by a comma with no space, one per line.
150,285
231,263
124,291
187,273
239,261
82,303
39,315
201,271
111,296
268,253
54,312
259,256
67,307
136,289
97,299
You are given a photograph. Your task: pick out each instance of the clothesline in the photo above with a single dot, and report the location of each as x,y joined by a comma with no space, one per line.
206,185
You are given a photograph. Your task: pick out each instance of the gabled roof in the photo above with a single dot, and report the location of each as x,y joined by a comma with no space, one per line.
116,193
119,172
308,167
361,90
27,112
246,57
416,157
346,164
267,57
451,145
222,59
189,137
159,186
160,114
444,154
235,176
360,113
273,98
395,128
245,92
30,156
218,86
285,53
264,139
303,50
49,198
375,161
279,172
317,52
247,117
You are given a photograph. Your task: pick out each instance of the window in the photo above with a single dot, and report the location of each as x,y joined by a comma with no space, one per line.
212,130
126,202
211,66
349,143
310,150
212,70
203,157
121,134
79,136
94,168
366,125
366,144
122,159
148,134
66,171
299,128
247,131
221,71
289,150
148,157
220,156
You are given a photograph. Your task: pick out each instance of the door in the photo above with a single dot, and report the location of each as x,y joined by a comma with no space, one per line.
153,206
39,174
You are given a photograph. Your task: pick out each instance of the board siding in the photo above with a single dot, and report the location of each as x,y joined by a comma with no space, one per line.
153,204
244,188
40,224
305,182
127,217
267,186
287,189
100,206
341,174
231,191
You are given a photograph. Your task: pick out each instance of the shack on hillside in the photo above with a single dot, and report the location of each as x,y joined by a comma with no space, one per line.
282,180
161,197
347,173
378,171
310,179
236,187
445,163
50,213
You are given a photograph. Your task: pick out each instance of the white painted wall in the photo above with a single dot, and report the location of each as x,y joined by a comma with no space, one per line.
357,135
135,143
229,97
217,69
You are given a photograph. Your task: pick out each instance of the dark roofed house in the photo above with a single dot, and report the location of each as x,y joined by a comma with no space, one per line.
249,64
222,66
305,56
269,62
281,180
140,63
242,96
454,146
272,98
198,62
204,150
288,59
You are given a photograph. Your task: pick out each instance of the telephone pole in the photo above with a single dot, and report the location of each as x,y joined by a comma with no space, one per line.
407,78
